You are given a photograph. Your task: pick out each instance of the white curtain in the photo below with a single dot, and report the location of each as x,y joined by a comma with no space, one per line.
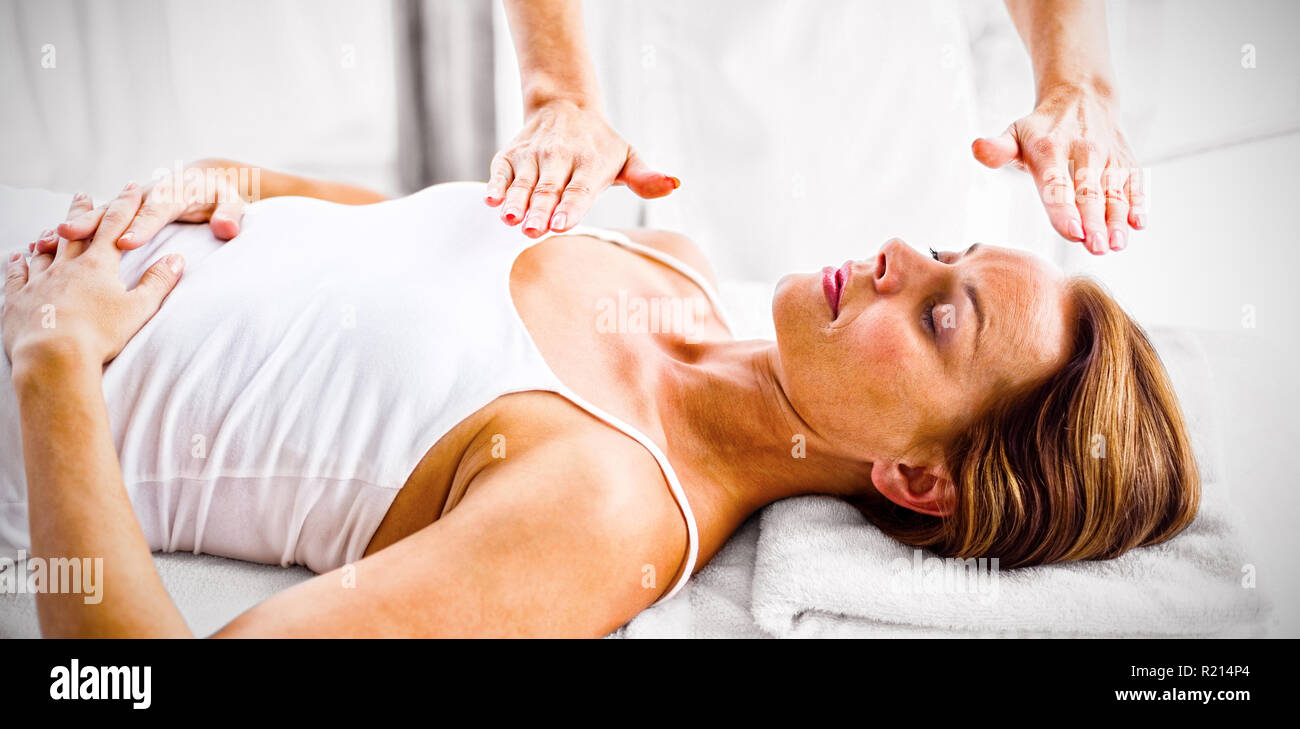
804,133
446,109
96,93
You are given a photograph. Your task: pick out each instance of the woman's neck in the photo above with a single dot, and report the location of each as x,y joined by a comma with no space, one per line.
729,423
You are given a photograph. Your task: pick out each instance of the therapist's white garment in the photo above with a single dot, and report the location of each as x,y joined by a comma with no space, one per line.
277,402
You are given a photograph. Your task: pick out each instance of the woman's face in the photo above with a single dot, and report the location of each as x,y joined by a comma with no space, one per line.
890,364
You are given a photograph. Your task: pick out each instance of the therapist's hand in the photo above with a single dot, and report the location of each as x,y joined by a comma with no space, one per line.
1087,177
197,197
566,155
71,303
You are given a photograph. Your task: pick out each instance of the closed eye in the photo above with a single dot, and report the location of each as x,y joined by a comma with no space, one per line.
927,317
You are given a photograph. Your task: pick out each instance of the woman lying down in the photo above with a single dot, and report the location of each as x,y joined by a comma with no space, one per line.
436,415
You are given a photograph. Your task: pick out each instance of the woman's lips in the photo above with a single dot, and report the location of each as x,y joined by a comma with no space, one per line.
832,290
834,281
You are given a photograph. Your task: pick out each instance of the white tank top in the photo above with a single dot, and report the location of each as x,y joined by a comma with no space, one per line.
277,402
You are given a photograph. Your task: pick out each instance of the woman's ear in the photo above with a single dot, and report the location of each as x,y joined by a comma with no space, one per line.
927,489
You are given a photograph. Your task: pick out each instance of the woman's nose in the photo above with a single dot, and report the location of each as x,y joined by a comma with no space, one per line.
890,262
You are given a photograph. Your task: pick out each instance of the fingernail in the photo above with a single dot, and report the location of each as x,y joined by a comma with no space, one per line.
13,257
557,222
130,187
31,247
676,182
534,222
79,197
1076,229
1141,220
1117,240
46,235
511,215
126,237
1096,243
176,263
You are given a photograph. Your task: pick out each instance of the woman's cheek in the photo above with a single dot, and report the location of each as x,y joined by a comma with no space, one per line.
882,343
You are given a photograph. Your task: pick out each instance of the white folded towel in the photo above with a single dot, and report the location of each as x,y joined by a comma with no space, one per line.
822,569
714,603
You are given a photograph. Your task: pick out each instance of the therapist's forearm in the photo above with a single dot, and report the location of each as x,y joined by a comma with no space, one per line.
554,63
78,507
1067,43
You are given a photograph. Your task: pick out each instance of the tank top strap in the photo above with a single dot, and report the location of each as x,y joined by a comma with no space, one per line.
541,377
674,485
613,236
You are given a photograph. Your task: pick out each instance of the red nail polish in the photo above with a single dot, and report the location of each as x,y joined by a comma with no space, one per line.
676,182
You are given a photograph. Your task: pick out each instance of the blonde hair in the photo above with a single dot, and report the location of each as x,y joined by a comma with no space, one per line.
1089,464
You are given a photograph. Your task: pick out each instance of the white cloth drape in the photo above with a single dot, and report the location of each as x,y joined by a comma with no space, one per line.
96,93
804,133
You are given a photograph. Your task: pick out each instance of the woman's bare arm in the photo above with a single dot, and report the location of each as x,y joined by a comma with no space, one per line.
211,190
279,184
64,316
553,541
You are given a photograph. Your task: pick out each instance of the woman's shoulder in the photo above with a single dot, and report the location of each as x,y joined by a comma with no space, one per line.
676,245
578,473
545,434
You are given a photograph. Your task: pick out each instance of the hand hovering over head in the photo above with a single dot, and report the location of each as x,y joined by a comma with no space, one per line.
1087,176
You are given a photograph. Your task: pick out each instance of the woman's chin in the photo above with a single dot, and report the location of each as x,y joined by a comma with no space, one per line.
794,306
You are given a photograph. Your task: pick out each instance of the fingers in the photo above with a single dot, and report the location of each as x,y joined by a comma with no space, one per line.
81,205
579,195
121,211
156,282
1051,170
47,243
554,177
80,223
39,263
1113,183
1135,185
226,218
520,189
500,175
1091,198
228,211
996,151
644,181
154,213
15,272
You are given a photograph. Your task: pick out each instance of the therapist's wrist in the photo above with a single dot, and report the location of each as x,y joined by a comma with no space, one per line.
1100,88
542,93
